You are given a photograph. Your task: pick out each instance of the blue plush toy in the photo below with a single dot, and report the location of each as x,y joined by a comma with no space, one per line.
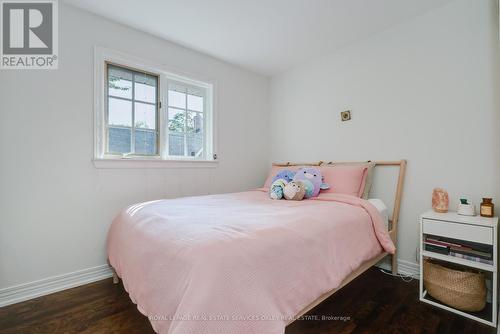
277,188
279,182
285,174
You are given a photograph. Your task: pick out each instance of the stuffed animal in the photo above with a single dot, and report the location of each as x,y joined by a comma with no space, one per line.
312,180
309,188
276,189
279,182
294,190
284,174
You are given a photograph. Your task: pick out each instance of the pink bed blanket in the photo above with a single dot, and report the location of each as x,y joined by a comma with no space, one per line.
241,262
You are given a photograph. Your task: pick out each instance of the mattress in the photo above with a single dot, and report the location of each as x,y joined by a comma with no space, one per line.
382,209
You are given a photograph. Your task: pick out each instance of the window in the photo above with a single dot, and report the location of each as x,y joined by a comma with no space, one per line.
145,113
185,120
132,112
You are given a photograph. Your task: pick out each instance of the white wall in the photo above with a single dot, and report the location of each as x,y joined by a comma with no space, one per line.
423,90
55,205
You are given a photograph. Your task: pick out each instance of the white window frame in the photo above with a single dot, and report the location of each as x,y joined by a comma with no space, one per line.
103,56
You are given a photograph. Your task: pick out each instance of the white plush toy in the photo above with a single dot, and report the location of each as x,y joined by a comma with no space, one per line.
294,190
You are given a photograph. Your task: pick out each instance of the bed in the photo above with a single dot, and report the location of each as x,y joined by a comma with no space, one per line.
242,263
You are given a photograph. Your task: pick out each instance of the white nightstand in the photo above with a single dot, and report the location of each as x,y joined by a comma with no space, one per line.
473,229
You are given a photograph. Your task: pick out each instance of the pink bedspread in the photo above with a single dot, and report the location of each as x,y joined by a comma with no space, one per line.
239,263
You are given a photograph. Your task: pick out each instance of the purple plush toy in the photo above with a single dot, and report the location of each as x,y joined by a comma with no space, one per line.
312,179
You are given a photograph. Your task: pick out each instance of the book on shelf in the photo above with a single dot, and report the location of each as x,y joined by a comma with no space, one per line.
471,258
437,249
482,255
444,243
447,251
460,244
467,250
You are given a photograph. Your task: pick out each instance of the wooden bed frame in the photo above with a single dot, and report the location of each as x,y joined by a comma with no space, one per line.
393,232
393,229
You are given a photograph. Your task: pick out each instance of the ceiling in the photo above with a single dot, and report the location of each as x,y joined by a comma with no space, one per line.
264,36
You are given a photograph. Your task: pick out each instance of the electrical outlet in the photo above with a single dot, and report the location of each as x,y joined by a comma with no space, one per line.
345,115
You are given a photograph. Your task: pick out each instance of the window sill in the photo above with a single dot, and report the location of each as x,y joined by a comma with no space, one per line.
114,163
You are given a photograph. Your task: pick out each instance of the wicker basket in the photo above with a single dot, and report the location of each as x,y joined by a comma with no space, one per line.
463,290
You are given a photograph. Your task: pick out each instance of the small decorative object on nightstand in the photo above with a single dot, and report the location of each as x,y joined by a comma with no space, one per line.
465,208
487,208
469,245
440,200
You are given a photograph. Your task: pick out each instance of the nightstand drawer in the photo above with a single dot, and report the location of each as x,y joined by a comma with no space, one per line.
460,231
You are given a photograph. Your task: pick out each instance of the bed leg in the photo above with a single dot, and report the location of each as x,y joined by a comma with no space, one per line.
116,279
394,265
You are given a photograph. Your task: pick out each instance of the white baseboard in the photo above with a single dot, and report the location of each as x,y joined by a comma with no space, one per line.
22,292
404,267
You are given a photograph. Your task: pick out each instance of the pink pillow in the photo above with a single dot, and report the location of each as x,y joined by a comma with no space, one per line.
275,170
348,180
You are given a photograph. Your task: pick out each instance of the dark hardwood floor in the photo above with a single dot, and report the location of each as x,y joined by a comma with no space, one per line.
373,303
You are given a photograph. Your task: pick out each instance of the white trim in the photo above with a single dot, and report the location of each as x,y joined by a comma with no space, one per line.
153,163
404,267
166,74
22,292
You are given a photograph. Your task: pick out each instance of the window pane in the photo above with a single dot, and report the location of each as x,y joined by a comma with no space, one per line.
194,144
146,79
119,72
176,99
176,120
119,112
195,102
145,116
119,82
120,87
119,140
194,122
176,144
145,142
145,92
